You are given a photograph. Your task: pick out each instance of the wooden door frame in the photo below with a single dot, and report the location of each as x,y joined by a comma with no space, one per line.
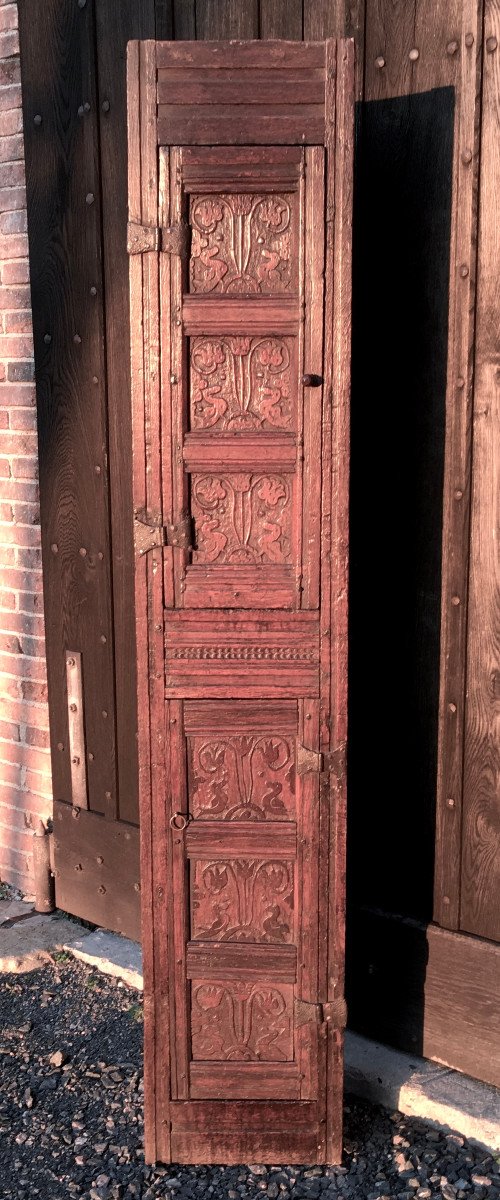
145,273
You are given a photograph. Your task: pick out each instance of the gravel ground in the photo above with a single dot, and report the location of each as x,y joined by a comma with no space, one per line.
71,1114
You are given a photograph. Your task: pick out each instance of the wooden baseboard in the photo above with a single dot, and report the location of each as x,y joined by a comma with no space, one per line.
425,990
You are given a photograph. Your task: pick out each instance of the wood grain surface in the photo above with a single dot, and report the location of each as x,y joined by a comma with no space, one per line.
480,891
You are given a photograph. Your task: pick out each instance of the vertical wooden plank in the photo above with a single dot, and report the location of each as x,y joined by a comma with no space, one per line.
279,20
389,39
338,18
480,909
115,26
141,606
340,146
63,195
156,665
227,19
456,494
164,19
312,364
184,19
146,432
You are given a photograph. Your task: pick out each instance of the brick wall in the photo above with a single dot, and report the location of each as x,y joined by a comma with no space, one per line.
25,783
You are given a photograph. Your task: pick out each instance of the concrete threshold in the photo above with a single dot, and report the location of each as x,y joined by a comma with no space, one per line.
439,1095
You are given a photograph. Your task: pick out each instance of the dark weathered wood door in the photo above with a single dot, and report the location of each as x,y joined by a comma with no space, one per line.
239,234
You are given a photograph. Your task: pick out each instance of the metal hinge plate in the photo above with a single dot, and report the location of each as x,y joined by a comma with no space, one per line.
171,239
320,761
333,1012
149,533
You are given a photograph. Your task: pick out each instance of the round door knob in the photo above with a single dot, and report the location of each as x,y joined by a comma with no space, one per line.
312,380
178,821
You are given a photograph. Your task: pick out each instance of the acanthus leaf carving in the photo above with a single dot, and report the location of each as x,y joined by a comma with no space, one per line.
242,900
242,518
241,243
241,1022
242,778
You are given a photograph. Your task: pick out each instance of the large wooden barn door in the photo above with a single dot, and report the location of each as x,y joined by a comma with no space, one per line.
240,321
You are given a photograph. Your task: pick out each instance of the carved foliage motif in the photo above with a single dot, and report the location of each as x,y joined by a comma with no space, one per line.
241,1022
242,778
242,518
240,383
241,244
243,900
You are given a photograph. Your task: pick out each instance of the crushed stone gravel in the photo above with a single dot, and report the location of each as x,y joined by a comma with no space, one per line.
71,1115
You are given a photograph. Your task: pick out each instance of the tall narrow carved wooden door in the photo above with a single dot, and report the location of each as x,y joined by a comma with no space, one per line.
239,235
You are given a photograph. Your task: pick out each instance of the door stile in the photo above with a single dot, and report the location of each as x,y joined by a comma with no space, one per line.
146,470
179,375
309,1033
340,150
178,817
166,322
300,463
313,360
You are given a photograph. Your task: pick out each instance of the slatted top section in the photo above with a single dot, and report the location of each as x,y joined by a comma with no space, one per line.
238,93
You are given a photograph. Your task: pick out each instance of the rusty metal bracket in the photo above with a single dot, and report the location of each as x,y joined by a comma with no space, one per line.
308,760
172,239
181,533
141,238
149,533
175,239
320,761
327,1012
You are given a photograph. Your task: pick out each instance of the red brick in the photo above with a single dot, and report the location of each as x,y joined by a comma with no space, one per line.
22,418
19,444
13,222
14,272
22,490
18,665
22,580
12,148
8,600
13,245
9,731
4,419
24,468
7,556
15,298
11,121
10,96
9,43
18,322
19,711
4,468
15,347
12,394
8,16
10,71
37,737
26,756
17,840
6,513
21,372
24,623
27,602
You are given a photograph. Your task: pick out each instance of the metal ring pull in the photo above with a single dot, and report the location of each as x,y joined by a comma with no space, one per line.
178,821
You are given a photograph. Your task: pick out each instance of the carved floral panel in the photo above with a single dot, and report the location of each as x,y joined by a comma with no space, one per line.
243,243
242,518
241,383
241,778
243,900
241,1022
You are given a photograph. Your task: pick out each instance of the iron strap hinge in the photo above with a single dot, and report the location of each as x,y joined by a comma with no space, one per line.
326,1012
149,533
321,761
171,239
